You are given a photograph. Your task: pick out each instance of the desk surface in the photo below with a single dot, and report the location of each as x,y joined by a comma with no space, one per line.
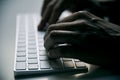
8,11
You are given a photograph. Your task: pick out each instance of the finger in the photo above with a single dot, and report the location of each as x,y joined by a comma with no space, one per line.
80,15
68,51
60,37
81,26
57,10
91,56
63,51
47,14
89,39
45,3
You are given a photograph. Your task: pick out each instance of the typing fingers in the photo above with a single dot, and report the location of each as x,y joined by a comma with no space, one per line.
80,15
79,26
45,3
57,37
47,13
57,10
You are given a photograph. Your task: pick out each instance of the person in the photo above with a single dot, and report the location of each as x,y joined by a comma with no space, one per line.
91,33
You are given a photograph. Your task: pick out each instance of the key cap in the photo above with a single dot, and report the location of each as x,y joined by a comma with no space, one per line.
44,65
43,58
21,45
21,49
31,47
76,60
32,61
56,64
41,44
41,48
32,56
21,59
31,39
68,64
21,54
42,53
31,43
32,66
79,64
21,38
21,41
40,35
20,66
40,40
32,51
67,59
31,35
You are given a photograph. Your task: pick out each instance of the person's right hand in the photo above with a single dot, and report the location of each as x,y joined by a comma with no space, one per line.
52,9
84,36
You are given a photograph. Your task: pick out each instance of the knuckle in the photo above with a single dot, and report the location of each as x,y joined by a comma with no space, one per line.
52,34
84,22
83,12
51,27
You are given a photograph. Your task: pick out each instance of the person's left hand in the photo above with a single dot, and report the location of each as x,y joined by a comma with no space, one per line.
52,9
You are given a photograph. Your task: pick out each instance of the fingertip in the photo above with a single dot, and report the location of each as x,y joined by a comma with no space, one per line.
53,54
40,26
43,26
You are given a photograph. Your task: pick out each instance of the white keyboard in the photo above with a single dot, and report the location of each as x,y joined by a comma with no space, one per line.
30,54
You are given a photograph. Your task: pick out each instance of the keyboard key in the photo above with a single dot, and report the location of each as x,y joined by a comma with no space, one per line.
41,35
32,51
32,56
31,39
21,41
21,54
56,64
67,59
21,59
40,40
32,61
31,43
21,49
79,64
32,47
43,58
41,44
20,65
31,35
42,53
68,64
32,66
21,38
76,60
44,65
41,48
22,34
21,45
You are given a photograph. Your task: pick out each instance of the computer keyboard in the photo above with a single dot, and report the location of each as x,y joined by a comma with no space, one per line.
30,54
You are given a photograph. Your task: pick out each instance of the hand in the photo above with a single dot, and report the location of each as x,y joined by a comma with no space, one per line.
84,36
52,9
